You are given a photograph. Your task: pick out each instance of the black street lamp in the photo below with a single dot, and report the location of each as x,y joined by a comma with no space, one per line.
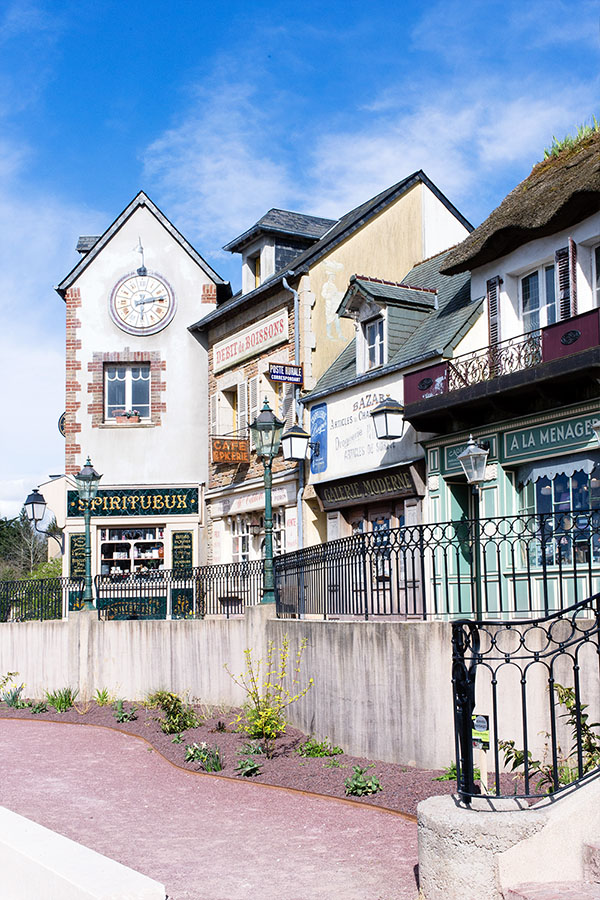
35,507
87,487
473,460
266,433
296,442
388,419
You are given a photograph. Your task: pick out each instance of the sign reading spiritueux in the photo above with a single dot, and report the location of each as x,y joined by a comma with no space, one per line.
230,450
138,502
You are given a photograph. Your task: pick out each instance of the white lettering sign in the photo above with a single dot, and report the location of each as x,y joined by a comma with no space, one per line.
251,341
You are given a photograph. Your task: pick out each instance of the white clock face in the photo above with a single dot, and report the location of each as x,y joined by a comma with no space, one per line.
142,304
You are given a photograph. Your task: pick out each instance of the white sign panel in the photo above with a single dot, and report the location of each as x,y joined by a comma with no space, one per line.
347,433
282,495
251,341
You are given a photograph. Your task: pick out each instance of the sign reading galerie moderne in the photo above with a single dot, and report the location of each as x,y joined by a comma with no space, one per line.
352,491
550,438
251,341
138,502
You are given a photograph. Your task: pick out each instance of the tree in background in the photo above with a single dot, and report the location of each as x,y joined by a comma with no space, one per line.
22,549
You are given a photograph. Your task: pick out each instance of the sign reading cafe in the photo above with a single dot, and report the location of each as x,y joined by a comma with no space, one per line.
138,502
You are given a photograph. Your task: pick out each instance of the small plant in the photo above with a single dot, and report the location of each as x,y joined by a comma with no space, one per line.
121,714
263,715
208,757
6,679
252,748
178,715
103,697
37,708
312,748
178,739
333,763
12,697
449,774
248,767
220,726
571,140
358,786
61,700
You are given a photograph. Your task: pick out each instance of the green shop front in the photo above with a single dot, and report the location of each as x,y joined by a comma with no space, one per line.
538,510
144,543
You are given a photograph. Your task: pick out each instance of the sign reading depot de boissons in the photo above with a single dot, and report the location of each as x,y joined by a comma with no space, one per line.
251,341
344,425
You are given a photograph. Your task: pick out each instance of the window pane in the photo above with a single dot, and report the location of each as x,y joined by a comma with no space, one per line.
115,397
550,296
597,269
140,396
531,302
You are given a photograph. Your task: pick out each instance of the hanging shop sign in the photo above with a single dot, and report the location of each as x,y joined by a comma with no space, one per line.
451,453
251,341
384,484
182,549
138,502
550,438
284,372
230,450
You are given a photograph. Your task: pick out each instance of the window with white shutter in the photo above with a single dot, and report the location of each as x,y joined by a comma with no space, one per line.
286,410
241,425
214,414
253,398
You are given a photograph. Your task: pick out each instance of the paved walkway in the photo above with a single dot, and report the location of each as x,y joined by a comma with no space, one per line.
205,838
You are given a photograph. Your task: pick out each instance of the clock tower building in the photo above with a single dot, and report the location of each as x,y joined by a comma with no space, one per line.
136,393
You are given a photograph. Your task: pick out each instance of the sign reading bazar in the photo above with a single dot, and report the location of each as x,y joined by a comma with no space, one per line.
251,341
230,450
366,488
138,502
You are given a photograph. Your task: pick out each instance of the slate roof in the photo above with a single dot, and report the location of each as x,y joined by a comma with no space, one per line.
436,334
341,231
559,192
283,221
141,199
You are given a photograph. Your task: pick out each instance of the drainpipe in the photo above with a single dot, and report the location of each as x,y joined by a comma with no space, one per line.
300,523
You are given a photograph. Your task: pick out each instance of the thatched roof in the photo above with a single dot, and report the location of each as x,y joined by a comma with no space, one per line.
560,191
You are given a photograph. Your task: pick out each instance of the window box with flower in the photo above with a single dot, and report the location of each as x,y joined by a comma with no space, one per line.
127,416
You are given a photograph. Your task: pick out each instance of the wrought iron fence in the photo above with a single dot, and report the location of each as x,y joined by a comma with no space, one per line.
46,598
528,565
499,359
537,680
181,593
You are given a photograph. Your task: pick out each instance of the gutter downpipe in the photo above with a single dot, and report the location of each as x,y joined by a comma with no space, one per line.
298,407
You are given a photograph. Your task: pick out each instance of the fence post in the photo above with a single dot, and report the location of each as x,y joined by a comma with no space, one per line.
465,635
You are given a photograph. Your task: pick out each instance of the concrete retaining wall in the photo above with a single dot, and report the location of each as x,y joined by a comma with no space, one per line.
381,689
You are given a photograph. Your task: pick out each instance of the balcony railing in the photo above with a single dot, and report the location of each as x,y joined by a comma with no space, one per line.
504,358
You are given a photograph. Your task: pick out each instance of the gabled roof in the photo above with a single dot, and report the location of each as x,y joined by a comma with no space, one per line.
559,192
138,201
341,231
283,221
436,334
394,293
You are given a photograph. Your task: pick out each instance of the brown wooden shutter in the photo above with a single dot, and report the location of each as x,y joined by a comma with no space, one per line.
563,281
573,275
493,308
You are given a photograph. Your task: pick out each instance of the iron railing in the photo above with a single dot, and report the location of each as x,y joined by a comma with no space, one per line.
528,565
44,598
537,681
181,593
498,359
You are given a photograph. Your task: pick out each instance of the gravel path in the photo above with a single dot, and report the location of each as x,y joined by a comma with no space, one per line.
204,837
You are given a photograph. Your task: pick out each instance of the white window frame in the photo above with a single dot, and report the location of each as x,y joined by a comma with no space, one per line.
540,270
596,275
380,344
128,405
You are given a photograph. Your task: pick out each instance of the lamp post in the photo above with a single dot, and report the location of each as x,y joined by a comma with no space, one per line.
87,487
296,442
388,419
473,460
266,433
35,507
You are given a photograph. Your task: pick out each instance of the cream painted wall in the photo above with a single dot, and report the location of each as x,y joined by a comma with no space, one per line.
177,450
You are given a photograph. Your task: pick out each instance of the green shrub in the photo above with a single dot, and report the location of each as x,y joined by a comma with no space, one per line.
121,714
12,697
449,774
248,768
208,757
263,714
178,715
357,785
103,697
312,748
61,700
252,748
37,708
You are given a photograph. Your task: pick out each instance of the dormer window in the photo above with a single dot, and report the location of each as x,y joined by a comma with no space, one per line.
373,343
255,266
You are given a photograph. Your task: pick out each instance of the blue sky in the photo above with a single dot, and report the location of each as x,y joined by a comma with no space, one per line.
221,110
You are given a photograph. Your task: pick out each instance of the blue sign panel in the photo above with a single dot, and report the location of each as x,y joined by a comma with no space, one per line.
318,434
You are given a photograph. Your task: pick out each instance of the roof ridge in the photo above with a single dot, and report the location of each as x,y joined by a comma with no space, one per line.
401,284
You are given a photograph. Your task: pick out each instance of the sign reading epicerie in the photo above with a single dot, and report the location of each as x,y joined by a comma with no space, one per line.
251,341
343,423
